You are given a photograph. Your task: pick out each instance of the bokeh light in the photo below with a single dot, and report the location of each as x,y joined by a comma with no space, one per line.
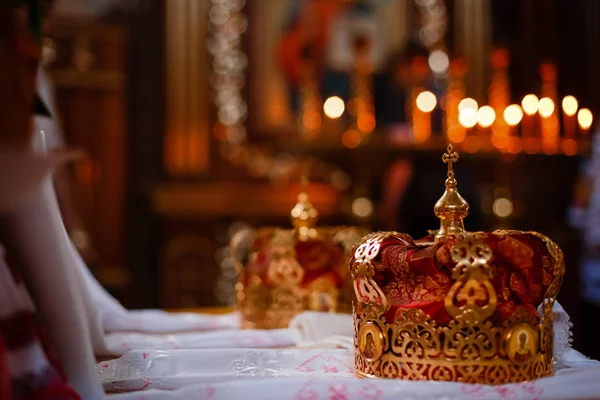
546,107
362,207
426,101
468,117
486,116
570,105
585,118
334,107
351,138
530,104
513,114
503,207
439,61
467,103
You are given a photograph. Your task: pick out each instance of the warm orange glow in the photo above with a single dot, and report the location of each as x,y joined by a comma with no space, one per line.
472,144
513,114
351,138
514,145
585,118
334,107
546,107
500,142
312,120
530,104
486,116
570,147
570,105
456,133
550,146
531,145
468,103
468,118
426,101
365,122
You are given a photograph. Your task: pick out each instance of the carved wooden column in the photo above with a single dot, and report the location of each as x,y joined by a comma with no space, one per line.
187,105
472,41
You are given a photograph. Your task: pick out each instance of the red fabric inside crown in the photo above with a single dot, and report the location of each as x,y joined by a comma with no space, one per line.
418,274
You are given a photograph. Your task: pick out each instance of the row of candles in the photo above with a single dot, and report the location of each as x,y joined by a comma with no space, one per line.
517,123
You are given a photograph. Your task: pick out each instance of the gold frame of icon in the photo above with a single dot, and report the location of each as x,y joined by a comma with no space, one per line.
521,343
378,342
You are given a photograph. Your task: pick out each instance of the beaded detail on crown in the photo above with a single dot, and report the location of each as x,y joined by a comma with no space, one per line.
283,272
456,306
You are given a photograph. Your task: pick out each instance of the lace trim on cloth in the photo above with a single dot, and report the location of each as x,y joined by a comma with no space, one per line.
563,334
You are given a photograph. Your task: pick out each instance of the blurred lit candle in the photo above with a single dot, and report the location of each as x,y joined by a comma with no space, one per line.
569,108
467,113
425,104
530,106
485,117
585,119
467,118
545,110
513,115
333,108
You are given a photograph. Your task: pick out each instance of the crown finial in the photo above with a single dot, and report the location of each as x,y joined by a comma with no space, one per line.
451,208
304,215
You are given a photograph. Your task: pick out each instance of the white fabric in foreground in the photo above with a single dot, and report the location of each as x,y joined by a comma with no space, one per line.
310,329
120,343
310,374
37,234
313,329
104,312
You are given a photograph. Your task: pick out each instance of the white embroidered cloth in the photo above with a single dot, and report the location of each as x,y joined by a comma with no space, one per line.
310,374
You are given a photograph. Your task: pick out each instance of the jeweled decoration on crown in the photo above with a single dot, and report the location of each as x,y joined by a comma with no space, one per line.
283,272
456,305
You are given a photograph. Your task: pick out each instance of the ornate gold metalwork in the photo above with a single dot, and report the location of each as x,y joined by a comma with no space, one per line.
451,208
304,216
470,348
273,305
472,273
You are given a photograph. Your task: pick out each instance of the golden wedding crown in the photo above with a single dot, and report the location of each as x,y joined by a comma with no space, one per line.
283,272
455,306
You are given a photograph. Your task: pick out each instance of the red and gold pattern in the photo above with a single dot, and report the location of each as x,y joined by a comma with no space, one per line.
286,272
455,306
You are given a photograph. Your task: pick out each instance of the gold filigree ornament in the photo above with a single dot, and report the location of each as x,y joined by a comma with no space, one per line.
273,286
474,347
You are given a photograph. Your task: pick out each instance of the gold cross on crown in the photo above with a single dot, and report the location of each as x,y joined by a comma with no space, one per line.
450,157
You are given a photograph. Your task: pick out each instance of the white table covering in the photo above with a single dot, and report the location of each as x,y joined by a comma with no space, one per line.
120,343
311,375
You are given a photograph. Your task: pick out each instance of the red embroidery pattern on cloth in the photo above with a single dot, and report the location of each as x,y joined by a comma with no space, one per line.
305,366
370,391
338,392
306,394
210,391
526,390
147,383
